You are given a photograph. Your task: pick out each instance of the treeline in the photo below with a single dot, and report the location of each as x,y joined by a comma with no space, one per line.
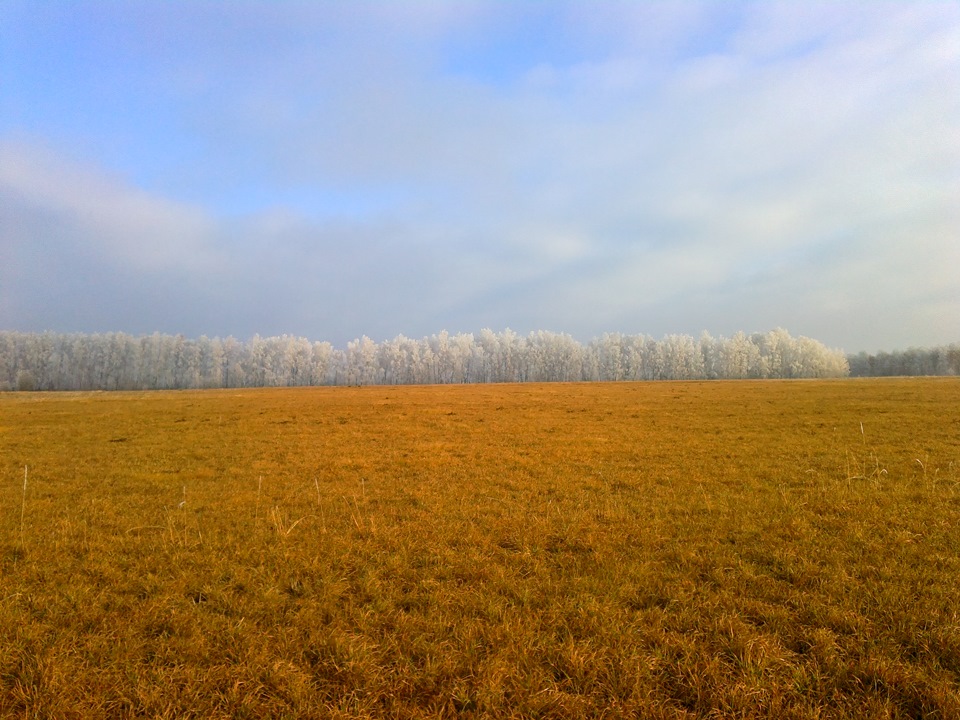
117,361
941,360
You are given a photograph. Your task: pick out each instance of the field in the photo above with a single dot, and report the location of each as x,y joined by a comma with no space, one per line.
775,549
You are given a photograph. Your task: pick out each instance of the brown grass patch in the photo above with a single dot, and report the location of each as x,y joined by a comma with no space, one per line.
718,549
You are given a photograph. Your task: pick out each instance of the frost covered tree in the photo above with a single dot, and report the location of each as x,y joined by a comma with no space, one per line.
117,361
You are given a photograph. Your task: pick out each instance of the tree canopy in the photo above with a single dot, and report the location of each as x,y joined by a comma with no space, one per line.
118,361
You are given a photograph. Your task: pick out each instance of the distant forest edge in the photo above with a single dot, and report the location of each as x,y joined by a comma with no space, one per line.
941,360
118,361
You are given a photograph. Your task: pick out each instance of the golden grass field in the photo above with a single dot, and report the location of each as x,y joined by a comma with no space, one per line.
774,549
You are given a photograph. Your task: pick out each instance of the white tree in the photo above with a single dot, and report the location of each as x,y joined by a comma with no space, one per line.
361,362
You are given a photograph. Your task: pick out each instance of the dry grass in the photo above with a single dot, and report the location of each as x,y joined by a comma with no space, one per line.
667,550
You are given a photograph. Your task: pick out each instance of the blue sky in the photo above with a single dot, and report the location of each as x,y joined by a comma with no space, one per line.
333,169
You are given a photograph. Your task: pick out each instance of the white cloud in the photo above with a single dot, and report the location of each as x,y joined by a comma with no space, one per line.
124,225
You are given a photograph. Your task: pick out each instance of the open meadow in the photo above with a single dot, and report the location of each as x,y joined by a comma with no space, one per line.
768,549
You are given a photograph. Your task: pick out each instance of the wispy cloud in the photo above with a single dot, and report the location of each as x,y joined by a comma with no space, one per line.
122,225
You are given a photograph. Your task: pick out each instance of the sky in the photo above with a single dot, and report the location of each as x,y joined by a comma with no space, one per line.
338,169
